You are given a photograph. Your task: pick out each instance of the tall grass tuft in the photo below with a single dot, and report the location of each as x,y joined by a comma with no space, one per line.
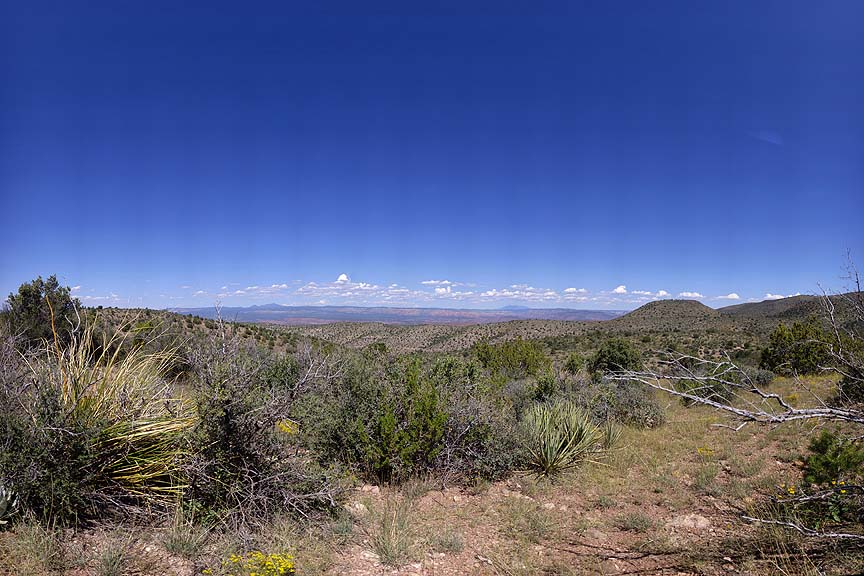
98,424
560,436
390,532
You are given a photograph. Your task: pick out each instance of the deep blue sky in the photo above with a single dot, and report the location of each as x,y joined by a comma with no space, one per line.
180,153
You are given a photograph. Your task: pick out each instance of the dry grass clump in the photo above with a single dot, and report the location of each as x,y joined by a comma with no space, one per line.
391,532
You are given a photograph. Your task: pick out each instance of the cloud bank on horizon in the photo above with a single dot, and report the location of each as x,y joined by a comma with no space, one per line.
443,293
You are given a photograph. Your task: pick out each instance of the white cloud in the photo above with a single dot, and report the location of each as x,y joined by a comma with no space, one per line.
620,290
442,290
110,298
575,291
661,293
690,295
436,282
642,292
769,296
199,293
279,286
730,296
75,288
342,279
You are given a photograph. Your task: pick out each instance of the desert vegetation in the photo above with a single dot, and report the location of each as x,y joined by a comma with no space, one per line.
147,442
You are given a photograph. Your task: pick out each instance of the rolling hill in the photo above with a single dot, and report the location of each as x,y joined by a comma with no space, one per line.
310,315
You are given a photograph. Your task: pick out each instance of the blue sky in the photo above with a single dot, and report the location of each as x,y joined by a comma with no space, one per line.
579,154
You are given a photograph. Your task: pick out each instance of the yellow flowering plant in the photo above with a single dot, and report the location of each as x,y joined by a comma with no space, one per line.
255,563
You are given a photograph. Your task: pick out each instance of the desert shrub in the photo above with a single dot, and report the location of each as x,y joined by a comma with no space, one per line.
830,496
393,418
759,377
559,437
709,382
801,349
46,457
574,363
83,436
403,431
832,458
623,402
481,440
546,387
30,312
242,461
513,359
615,354
713,390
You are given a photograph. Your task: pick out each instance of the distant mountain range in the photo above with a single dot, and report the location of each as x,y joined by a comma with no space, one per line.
306,315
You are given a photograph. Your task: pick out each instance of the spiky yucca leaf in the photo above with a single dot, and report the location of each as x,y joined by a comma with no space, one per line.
121,394
8,504
560,436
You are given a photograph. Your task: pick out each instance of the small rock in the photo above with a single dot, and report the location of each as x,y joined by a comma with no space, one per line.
690,522
371,488
595,534
457,498
357,509
549,506
369,555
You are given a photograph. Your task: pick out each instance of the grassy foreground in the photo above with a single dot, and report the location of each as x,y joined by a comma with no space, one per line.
666,500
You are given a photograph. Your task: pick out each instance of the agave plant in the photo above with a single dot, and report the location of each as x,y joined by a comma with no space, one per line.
560,436
8,504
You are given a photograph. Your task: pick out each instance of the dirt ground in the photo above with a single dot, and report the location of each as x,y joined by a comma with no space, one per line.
664,501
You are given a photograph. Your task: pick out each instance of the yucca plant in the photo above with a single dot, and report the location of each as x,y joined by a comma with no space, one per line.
8,504
560,436
114,400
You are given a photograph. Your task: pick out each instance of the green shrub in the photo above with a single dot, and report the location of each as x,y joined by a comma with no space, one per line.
614,355
391,419
546,387
31,309
832,458
801,349
574,363
514,359
709,386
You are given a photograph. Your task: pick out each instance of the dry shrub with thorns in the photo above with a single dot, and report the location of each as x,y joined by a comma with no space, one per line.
244,464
